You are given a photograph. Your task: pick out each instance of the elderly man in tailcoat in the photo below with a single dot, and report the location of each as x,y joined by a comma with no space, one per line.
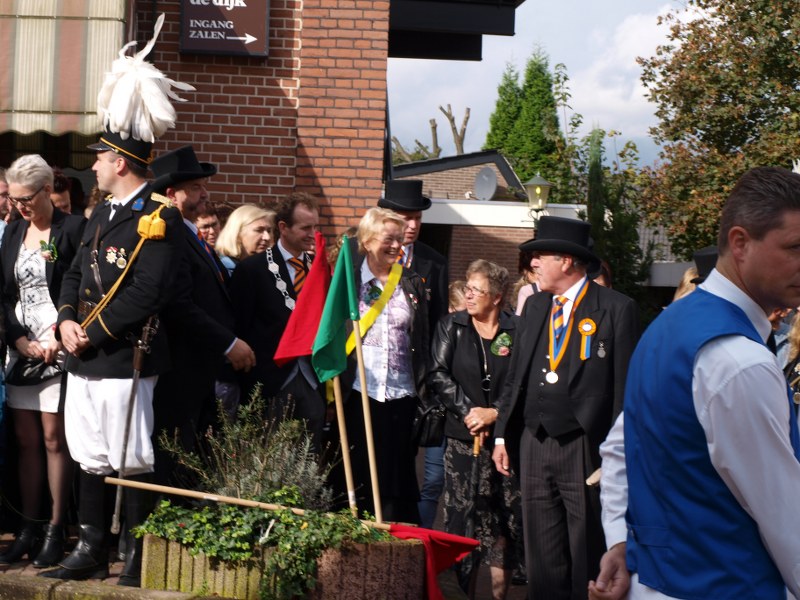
564,389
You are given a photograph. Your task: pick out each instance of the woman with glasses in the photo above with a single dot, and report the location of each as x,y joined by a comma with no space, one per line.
393,306
471,352
36,251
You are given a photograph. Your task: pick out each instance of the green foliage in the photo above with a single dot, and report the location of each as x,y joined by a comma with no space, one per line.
299,540
612,213
273,463
254,457
506,110
725,87
235,534
524,125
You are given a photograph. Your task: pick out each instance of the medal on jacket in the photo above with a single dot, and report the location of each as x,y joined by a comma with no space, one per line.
557,348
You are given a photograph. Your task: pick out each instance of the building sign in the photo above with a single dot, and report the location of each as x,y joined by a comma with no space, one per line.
225,27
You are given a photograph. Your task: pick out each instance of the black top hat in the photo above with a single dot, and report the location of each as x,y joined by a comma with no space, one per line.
178,166
404,195
137,151
705,260
567,236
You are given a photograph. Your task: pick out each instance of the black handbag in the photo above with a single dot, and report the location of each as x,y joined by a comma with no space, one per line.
428,428
31,371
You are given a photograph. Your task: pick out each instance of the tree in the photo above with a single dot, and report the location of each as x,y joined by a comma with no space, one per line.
725,86
506,110
421,151
532,139
524,127
612,213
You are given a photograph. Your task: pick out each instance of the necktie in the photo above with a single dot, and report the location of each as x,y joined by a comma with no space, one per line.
210,253
558,317
299,273
401,256
113,211
772,343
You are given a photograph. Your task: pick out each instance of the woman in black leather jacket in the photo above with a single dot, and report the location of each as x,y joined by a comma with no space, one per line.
471,352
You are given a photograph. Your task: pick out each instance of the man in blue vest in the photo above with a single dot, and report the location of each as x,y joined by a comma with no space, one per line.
711,439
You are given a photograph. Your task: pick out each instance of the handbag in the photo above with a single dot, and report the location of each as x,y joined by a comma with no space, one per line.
31,371
428,428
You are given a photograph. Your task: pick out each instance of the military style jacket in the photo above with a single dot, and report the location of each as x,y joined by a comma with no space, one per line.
147,287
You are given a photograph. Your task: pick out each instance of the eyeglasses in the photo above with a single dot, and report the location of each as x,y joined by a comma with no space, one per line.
468,289
25,199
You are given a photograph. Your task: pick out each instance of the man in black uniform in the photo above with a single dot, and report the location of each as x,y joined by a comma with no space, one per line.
120,279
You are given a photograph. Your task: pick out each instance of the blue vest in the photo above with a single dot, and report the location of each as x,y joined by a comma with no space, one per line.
688,537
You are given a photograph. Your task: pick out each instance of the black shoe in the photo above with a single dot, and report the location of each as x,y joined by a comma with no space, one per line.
26,543
53,548
89,559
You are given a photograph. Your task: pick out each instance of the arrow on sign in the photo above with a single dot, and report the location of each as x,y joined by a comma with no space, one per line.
246,39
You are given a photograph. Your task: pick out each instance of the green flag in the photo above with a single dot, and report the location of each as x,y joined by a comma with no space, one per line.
328,355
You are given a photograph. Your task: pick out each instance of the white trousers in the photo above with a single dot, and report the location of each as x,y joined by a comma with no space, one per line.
95,411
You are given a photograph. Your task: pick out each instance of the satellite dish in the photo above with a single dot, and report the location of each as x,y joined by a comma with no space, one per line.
485,184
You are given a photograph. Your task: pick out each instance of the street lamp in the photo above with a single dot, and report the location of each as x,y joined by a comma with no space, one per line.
537,188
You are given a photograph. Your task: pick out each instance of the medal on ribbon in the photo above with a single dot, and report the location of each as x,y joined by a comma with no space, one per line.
558,348
587,328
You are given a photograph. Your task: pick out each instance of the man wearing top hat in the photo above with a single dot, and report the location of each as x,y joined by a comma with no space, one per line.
405,197
121,278
199,323
563,391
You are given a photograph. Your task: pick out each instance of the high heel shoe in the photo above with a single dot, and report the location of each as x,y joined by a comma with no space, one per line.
53,547
26,543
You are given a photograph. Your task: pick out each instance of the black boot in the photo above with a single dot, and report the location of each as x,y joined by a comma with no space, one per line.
89,559
53,548
26,543
138,506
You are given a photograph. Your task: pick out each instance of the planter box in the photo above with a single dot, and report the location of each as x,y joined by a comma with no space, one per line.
378,571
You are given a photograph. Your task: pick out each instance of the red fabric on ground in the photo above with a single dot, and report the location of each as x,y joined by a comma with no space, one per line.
441,550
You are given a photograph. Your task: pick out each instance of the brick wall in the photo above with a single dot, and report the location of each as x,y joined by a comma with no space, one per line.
453,184
309,117
497,244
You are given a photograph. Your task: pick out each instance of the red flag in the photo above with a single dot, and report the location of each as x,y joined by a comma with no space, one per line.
298,337
441,550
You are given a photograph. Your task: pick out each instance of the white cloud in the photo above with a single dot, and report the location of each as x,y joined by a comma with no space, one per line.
598,43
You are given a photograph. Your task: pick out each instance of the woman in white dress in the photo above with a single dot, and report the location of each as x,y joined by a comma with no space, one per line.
36,251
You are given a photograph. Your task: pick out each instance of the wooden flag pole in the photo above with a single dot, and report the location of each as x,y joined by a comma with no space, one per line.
345,446
163,489
373,467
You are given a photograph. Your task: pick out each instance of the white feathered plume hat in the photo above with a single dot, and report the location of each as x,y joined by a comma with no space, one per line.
134,104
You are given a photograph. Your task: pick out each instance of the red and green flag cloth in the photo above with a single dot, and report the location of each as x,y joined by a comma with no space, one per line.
329,357
298,337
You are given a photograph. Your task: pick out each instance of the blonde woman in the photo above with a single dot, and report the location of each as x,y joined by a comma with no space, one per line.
249,230
395,356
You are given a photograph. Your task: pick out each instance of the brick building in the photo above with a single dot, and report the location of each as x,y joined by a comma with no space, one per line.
309,116
480,209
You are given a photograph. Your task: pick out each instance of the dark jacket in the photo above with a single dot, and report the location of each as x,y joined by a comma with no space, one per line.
455,376
596,385
147,288
261,316
432,267
65,233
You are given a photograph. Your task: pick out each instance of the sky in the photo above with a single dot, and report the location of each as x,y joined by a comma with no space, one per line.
598,42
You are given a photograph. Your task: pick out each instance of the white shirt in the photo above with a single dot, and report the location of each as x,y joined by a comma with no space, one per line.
387,346
740,400
116,204
286,256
